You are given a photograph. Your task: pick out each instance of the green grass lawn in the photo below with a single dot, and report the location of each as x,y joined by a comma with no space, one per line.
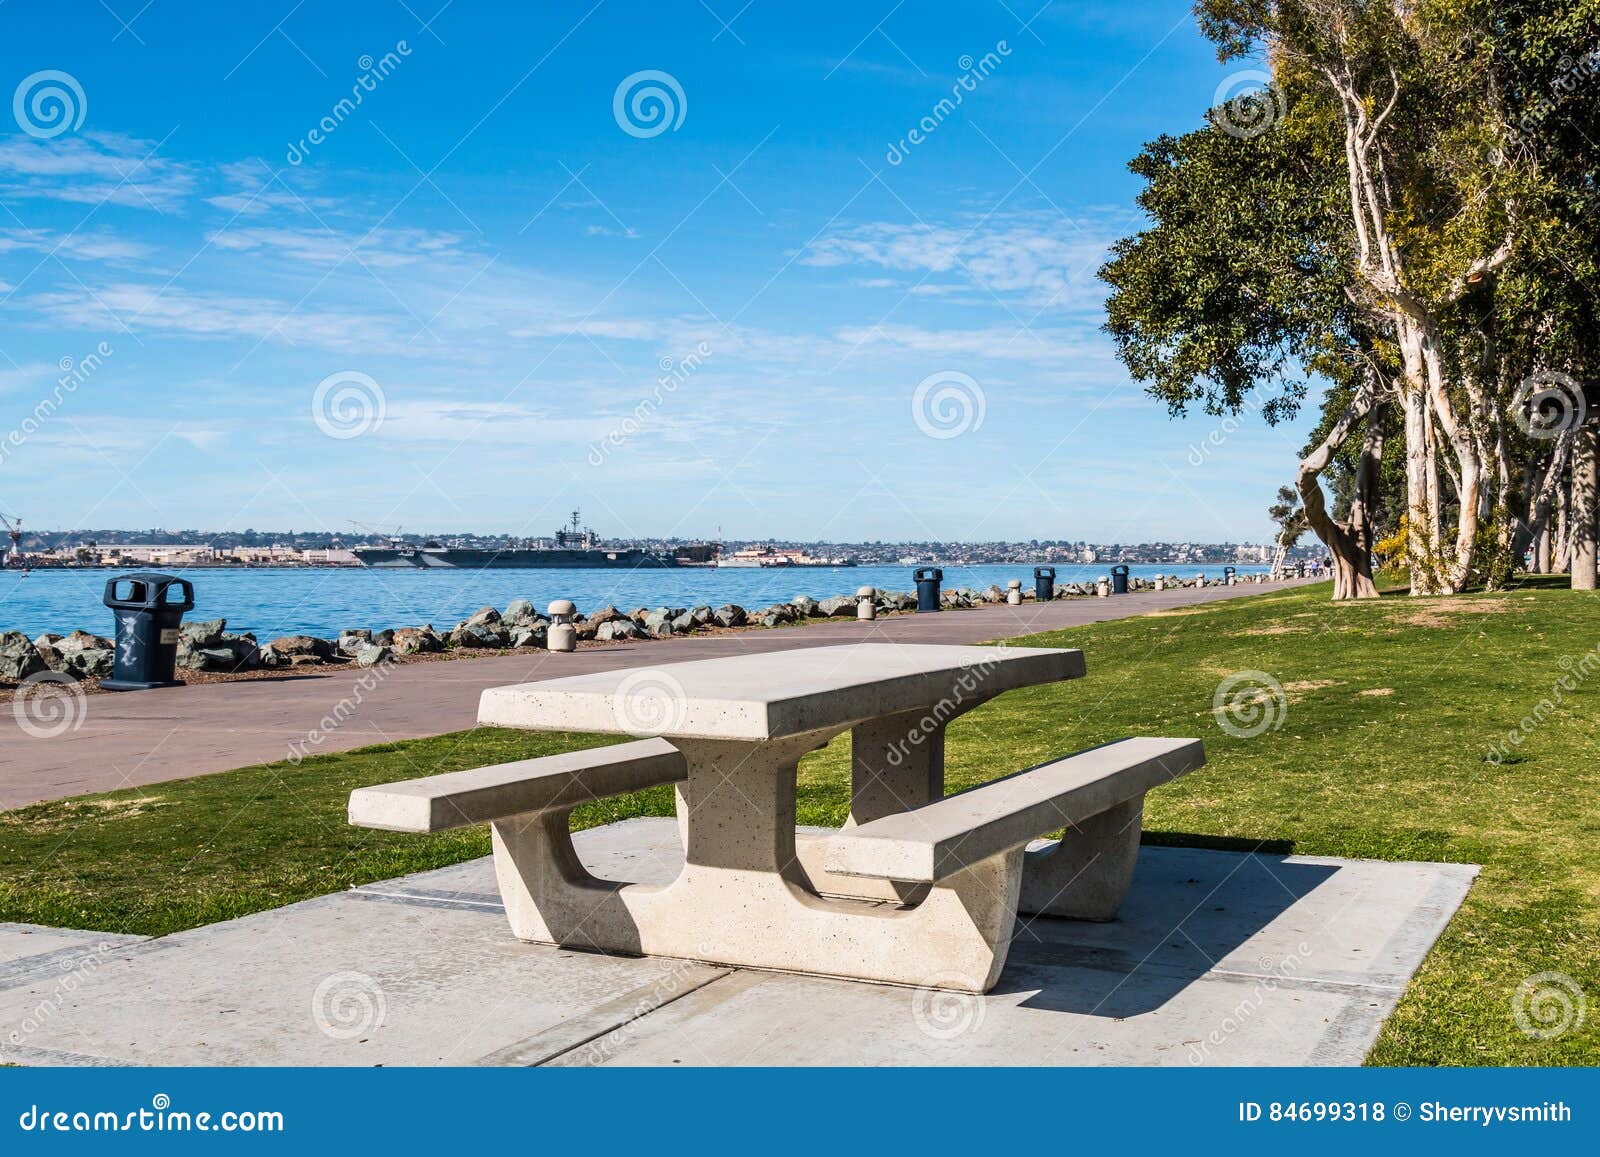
1391,709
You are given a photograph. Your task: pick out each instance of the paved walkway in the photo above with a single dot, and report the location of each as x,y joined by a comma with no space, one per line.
137,738
1217,958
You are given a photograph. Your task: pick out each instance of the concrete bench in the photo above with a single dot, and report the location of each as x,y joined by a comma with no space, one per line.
550,784
1097,795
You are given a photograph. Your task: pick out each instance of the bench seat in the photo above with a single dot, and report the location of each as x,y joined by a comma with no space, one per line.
561,782
932,842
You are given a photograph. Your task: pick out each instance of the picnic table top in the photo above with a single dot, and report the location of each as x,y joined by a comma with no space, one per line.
772,695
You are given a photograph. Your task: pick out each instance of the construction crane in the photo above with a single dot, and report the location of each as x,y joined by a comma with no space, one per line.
14,530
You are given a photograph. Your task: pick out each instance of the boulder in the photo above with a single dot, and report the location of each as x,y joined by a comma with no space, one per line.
837,605
529,634
684,623
520,611
90,662
806,607
479,637
730,615
383,638
415,641
618,628
484,617
52,658
303,648
372,654
702,616
352,641
19,658
48,639
656,619
993,594
202,632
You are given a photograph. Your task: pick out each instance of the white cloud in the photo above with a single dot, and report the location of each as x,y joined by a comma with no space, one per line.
144,307
383,249
99,245
94,169
1009,342
1043,259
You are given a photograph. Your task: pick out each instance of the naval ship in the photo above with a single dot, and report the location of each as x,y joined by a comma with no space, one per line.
573,547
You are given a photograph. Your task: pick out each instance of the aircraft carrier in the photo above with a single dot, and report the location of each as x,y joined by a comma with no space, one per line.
572,548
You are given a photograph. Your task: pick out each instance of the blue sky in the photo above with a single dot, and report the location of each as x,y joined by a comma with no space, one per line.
496,286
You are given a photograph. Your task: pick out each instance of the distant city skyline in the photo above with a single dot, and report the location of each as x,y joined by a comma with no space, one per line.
825,274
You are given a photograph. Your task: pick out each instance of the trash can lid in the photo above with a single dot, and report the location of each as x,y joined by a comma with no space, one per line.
149,591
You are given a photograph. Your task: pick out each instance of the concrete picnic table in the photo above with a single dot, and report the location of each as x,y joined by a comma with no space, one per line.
918,888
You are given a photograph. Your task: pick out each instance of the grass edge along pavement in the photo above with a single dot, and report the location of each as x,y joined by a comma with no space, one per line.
1368,730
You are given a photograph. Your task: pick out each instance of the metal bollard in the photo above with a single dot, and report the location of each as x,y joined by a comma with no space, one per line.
927,579
866,604
1014,592
1044,583
147,629
563,633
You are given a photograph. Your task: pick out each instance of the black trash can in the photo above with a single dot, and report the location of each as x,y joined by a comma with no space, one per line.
148,608
1044,583
1300,569
1227,575
1119,579
928,579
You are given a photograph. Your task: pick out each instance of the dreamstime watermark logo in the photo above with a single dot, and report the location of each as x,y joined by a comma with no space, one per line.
74,972
74,373
944,1013
1239,1016
650,702
49,103
49,704
973,73
1548,1004
1230,425
648,103
1548,404
340,712
1248,104
347,1005
1574,674
948,404
674,373
348,404
1571,75
1249,703
373,73
968,687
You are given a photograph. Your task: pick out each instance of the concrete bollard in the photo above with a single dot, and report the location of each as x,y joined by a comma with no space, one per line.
1199,580
866,604
1102,589
1014,592
563,634
1161,583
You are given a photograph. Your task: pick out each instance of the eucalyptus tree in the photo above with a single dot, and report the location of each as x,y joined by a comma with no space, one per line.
1396,224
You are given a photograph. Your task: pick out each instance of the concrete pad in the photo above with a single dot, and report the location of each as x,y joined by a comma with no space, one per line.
1218,958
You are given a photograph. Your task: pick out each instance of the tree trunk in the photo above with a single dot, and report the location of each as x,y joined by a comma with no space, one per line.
1349,544
1585,484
